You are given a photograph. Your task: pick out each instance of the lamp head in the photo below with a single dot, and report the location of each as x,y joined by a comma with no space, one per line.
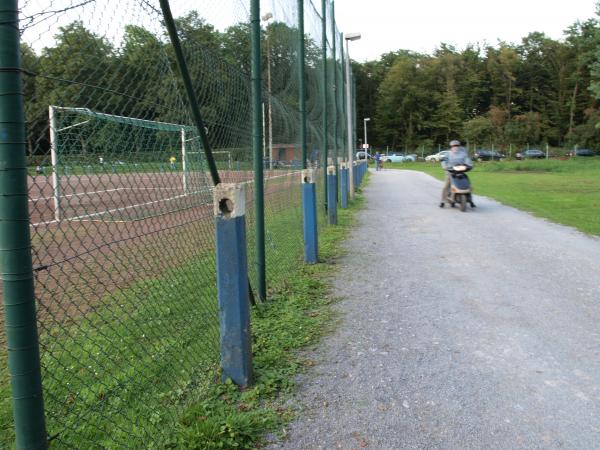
352,36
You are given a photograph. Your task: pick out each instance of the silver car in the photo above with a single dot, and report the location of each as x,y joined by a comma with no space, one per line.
441,156
392,158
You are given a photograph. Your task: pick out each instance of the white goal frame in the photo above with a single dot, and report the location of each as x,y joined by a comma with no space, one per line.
54,130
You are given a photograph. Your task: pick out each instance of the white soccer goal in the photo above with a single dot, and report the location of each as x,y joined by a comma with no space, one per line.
73,129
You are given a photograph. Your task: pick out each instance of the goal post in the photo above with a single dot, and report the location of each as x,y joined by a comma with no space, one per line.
226,156
184,162
54,161
93,140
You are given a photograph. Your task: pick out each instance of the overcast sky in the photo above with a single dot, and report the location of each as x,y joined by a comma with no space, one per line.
421,25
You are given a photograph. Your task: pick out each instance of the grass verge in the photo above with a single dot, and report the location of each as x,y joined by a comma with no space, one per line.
296,316
141,371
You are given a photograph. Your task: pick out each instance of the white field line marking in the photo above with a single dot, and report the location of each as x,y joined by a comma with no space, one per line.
122,208
78,194
86,216
270,178
75,194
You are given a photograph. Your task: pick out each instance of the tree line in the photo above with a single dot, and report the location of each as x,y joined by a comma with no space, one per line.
138,77
540,91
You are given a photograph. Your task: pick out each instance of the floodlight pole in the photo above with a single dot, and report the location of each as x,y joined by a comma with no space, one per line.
301,82
349,111
365,120
266,18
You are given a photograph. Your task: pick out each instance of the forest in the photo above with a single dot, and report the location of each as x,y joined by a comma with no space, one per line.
538,92
136,76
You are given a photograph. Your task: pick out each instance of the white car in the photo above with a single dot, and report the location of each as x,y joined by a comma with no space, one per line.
394,157
438,156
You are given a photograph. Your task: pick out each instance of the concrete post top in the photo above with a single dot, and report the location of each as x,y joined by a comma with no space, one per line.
229,200
354,163
330,170
342,165
308,176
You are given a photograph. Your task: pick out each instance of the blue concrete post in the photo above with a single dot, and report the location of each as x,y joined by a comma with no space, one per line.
331,196
360,169
355,174
344,185
309,207
232,283
363,170
338,176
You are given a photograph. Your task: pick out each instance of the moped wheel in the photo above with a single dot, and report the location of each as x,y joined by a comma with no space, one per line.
463,203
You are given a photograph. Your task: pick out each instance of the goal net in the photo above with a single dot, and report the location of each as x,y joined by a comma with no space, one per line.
108,167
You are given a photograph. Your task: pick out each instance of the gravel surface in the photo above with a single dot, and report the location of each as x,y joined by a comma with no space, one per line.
457,331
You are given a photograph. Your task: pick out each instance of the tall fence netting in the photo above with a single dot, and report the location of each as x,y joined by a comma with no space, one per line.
121,212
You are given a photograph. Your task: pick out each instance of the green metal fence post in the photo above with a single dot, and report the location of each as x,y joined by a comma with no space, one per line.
301,81
353,103
324,50
191,95
259,199
344,107
335,86
335,99
195,108
15,244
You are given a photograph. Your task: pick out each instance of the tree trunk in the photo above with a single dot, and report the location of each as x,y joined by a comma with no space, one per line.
509,97
573,104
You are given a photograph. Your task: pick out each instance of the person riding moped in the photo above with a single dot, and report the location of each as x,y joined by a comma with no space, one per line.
456,156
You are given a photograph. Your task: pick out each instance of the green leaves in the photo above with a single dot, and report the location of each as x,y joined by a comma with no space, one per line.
541,90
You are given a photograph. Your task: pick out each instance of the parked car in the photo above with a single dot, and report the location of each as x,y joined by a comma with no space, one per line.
582,152
487,155
411,157
392,157
361,155
531,153
441,156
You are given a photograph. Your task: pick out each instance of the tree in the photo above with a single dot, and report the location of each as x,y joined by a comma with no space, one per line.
402,104
79,71
478,130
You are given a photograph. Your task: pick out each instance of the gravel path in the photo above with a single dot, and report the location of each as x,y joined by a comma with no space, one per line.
458,330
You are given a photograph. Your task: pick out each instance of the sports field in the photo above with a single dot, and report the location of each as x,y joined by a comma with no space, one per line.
131,260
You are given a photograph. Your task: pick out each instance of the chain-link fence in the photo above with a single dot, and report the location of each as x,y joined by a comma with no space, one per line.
120,196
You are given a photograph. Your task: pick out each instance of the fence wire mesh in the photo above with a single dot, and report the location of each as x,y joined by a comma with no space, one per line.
121,200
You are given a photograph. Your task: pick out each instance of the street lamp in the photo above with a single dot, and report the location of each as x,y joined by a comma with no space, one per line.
266,18
365,120
350,37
